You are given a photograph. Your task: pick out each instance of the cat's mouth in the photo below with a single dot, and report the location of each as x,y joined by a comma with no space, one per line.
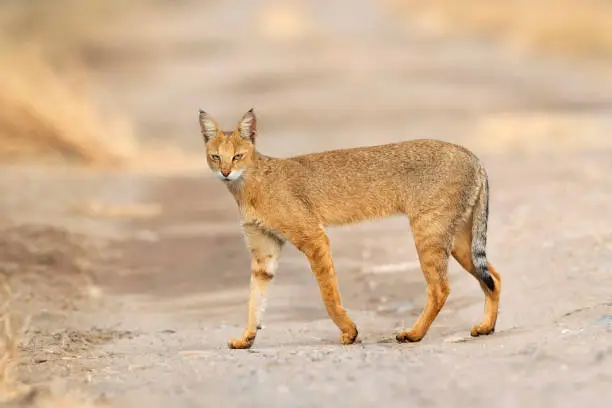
231,176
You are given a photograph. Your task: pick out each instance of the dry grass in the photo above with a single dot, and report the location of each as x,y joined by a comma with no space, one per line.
577,28
42,115
46,268
15,393
46,110
10,387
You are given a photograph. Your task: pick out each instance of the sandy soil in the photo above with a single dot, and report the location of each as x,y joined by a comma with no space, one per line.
159,267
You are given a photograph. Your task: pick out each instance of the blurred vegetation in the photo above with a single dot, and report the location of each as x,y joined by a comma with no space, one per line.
575,28
46,109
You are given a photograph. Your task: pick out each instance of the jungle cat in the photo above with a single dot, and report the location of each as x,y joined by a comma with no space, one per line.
441,187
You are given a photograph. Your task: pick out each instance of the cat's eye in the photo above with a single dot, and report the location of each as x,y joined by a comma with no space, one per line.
237,157
215,157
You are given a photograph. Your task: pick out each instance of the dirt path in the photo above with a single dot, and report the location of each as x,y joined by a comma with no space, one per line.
174,284
188,297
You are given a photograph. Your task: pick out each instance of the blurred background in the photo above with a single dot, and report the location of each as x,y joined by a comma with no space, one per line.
100,82
108,212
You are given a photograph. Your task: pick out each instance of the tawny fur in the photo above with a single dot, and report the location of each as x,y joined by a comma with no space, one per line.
441,187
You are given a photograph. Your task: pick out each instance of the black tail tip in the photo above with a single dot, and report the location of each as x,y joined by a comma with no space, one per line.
488,280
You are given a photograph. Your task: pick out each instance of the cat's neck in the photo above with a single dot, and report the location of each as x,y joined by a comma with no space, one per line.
250,179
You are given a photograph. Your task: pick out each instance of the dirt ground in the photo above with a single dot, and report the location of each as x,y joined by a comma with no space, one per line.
135,280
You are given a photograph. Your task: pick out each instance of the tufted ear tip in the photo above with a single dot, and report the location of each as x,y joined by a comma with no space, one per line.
208,126
248,126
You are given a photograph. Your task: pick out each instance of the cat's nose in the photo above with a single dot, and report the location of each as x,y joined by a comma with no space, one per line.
226,172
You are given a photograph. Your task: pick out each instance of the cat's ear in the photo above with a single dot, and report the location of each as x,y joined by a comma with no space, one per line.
208,126
248,126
